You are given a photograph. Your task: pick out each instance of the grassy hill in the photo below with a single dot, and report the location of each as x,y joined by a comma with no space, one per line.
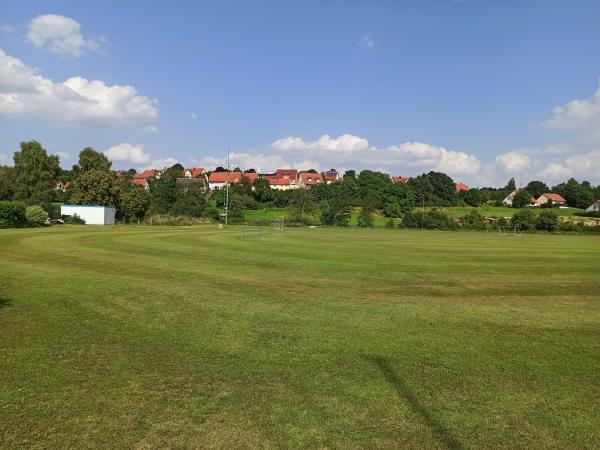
147,337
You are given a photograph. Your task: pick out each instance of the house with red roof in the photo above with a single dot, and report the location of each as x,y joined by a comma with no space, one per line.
292,174
556,199
194,172
397,180
460,187
508,200
308,179
141,179
218,180
330,176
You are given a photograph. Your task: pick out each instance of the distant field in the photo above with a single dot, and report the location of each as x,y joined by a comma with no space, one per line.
166,337
504,211
271,214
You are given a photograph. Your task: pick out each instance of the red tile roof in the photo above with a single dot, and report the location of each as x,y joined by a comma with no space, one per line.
286,173
554,197
311,179
251,176
400,179
461,187
139,181
279,181
223,177
145,174
194,171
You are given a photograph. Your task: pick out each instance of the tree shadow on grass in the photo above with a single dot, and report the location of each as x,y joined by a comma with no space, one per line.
442,434
4,302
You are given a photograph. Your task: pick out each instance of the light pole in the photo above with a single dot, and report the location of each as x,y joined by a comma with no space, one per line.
227,190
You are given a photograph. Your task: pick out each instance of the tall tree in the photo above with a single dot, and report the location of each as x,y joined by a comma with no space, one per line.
90,159
7,183
35,172
97,187
136,203
510,186
577,195
191,200
537,188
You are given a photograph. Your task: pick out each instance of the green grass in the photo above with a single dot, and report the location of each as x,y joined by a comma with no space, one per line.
502,211
187,337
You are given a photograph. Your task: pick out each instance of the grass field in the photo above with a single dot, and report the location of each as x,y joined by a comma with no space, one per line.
271,214
156,337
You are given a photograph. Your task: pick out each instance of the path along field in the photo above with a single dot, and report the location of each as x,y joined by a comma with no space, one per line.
146,337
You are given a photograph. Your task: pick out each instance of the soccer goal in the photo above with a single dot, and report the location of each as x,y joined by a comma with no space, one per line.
509,231
250,234
278,224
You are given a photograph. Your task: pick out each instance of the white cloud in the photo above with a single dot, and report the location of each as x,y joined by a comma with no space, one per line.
408,157
8,28
367,41
5,160
431,157
583,166
343,143
512,162
194,116
162,163
151,129
63,156
23,92
580,116
62,35
128,153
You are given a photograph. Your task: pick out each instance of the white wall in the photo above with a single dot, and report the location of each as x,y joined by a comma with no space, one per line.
93,215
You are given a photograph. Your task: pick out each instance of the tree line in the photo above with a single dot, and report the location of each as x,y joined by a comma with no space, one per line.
33,177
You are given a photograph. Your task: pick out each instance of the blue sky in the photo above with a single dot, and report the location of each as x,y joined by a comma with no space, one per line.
468,87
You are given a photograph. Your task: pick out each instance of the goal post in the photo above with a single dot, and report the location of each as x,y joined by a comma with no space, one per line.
278,224
509,230
250,234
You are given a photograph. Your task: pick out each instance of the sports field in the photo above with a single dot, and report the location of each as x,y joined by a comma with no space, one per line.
156,337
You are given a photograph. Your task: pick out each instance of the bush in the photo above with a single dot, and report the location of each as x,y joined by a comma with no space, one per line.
595,214
12,214
390,223
168,219
473,221
524,219
521,199
431,220
74,220
365,218
547,221
36,216
570,225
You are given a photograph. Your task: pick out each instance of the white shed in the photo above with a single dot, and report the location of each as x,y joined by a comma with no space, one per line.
92,214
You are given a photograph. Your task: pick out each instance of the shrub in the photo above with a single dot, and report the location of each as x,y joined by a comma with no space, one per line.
36,216
570,225
524,219
595,214
365,218
431,220
390,223
74,220
169,219
547,221
473,221
12,214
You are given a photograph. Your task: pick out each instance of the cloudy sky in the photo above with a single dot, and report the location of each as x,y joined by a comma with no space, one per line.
478,89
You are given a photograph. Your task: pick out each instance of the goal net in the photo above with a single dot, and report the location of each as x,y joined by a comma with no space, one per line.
278,224
250,234
509,231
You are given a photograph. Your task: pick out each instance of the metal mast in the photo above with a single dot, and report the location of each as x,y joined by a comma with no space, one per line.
227,190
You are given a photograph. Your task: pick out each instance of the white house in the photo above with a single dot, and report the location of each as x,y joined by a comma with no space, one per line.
92,214
594,207
557,199
508,201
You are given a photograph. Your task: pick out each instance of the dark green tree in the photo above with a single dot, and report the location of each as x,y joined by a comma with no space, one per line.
521,199
472,197
302,206
576,195
510,186
36,173
546,221
7,183
90,159
365,218
136,202
262,191
191,200
537,188
524,219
